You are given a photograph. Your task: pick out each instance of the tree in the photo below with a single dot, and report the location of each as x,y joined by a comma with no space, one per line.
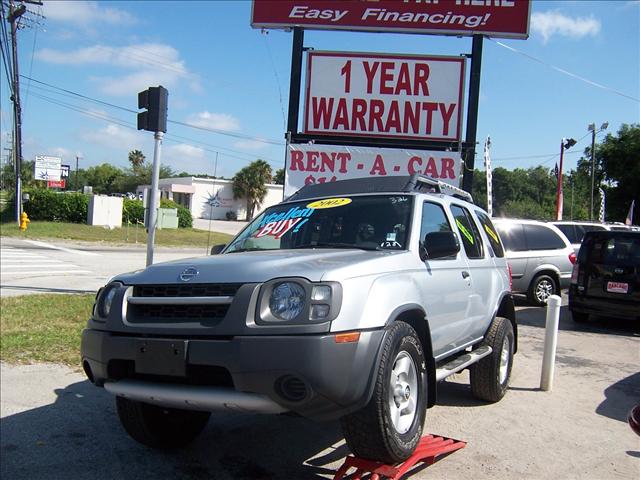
250,182
136,159
278,178
619,158
104,178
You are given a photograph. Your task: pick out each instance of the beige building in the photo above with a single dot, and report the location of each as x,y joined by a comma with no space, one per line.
211,198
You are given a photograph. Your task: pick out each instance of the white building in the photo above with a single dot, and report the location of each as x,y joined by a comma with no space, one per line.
211,198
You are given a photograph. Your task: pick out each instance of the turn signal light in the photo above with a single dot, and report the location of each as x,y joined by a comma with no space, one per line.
349,337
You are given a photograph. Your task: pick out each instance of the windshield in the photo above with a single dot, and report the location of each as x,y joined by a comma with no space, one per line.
377,222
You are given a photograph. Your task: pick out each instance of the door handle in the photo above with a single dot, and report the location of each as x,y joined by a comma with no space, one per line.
465,274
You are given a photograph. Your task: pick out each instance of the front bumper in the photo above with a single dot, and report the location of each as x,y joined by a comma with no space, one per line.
308,374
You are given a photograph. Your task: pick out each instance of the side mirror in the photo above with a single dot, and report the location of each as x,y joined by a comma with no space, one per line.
216,249
439,245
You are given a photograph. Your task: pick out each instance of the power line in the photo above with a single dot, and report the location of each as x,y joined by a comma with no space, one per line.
170,137
565,72
176,122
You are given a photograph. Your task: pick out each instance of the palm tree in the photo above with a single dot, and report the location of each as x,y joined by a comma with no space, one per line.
250,182
136,159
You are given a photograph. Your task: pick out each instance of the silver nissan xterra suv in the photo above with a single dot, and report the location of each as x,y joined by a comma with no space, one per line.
349,300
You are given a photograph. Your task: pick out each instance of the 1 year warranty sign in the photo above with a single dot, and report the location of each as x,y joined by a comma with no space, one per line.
384,95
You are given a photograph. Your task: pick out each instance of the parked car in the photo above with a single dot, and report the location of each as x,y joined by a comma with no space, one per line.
350,300
540,256
606,276
575,230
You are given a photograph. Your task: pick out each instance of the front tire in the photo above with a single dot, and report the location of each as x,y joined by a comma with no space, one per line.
159,427
389,427
541,288
490,376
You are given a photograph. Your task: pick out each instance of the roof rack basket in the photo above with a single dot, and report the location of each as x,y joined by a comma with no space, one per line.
421,183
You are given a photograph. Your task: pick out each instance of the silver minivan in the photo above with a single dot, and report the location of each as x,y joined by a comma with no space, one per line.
540,256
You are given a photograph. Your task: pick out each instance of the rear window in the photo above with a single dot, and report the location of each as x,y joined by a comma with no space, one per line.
512,236
490,230
468,232
540,237
619,250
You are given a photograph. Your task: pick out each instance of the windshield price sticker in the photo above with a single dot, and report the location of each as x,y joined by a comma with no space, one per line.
329,203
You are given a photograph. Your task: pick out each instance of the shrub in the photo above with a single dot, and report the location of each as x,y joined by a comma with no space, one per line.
57,207
133,211
231,215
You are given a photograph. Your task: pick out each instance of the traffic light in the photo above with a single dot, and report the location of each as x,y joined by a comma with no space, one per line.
155,100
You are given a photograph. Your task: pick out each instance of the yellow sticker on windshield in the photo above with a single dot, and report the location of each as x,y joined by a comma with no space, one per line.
329,203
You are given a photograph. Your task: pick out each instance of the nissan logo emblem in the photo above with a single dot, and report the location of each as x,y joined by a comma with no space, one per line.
189,273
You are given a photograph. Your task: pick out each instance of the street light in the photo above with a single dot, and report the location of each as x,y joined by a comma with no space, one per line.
592,129
565,144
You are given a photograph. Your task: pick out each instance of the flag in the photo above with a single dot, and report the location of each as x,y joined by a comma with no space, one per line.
629,220
602,200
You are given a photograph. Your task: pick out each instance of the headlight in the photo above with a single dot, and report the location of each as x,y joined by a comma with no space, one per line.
287,300
106,299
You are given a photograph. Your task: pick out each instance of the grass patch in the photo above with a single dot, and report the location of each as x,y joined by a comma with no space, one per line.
181,237
43,328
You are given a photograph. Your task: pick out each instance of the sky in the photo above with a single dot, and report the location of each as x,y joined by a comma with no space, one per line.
229,83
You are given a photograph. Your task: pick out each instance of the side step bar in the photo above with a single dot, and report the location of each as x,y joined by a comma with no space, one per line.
462,362
193,397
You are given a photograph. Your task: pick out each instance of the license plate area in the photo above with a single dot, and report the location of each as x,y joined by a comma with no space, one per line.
617,287
162,357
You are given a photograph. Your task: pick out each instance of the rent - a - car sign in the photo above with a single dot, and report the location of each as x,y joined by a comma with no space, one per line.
496,18
384,95
312,163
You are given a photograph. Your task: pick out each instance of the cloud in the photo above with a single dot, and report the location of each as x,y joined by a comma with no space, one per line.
62,152
184,151
147,64
114,136
215,121
250,145
550,23
86,13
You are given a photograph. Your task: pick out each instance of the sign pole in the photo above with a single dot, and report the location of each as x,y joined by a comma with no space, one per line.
472,113
154,200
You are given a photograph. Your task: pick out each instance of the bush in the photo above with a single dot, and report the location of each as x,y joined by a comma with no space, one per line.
57,207
133,211
231,215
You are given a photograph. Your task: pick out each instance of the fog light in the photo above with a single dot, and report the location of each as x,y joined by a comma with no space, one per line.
319,311
321,293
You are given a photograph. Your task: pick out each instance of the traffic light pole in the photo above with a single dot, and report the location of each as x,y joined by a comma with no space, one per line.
154,201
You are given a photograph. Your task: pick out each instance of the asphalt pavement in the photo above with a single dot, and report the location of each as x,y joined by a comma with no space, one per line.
29,266
56,425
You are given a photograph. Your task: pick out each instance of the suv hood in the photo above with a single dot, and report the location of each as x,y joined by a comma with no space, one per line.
257,267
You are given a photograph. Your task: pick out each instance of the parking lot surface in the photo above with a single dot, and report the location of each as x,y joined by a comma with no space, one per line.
56,425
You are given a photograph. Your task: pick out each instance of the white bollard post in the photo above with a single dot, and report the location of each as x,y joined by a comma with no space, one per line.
550,342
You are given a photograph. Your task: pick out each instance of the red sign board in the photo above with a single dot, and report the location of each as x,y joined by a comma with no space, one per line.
384,95
496,18
56,183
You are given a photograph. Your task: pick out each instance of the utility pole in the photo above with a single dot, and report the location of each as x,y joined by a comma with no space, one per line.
592,129
15,12
564,145
76,184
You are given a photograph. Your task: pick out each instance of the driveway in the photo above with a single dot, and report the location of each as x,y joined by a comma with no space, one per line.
56,425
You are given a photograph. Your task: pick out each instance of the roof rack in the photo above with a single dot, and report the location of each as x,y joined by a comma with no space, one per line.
419,182
413,183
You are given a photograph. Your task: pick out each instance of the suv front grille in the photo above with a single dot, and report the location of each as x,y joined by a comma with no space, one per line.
178,303
187,290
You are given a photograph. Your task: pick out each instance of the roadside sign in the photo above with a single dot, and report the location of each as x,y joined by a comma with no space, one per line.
64,171
47,168
384,95
56,183
495,18
308,164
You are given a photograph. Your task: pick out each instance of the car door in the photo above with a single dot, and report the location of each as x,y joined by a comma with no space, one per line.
445,290
481,268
